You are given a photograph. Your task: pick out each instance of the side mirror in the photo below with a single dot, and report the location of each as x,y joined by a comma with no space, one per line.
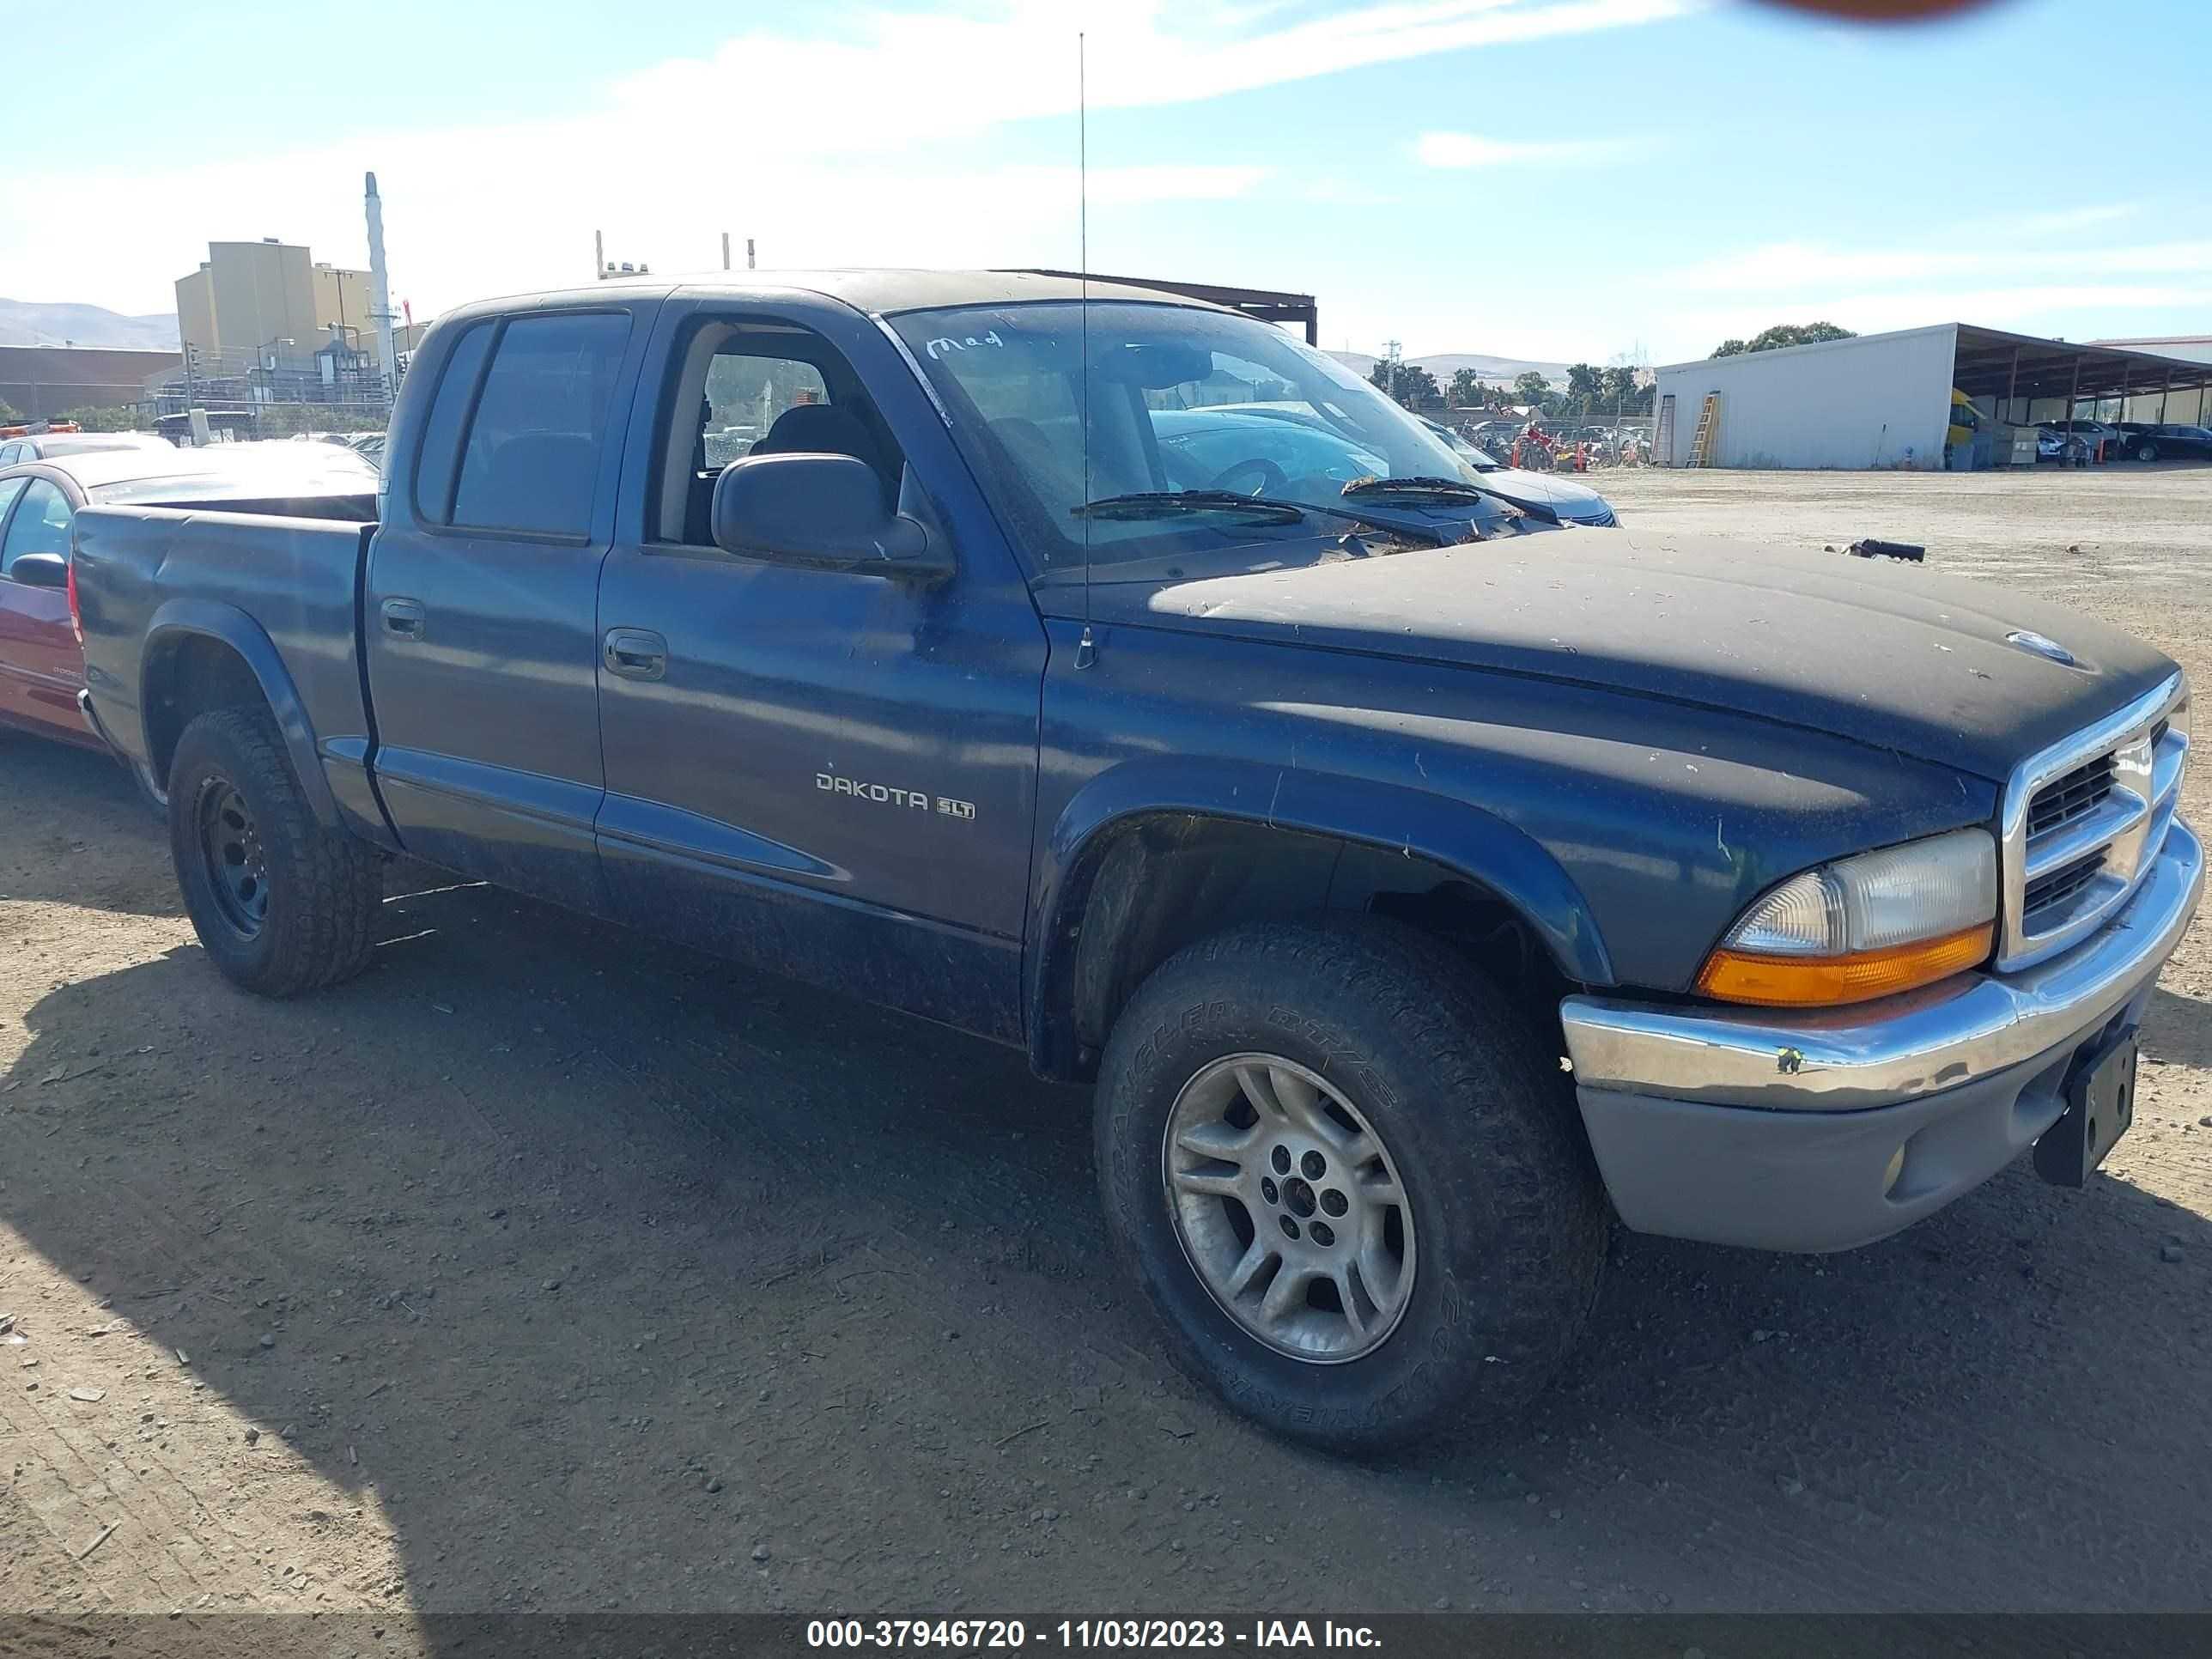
822,510
40,570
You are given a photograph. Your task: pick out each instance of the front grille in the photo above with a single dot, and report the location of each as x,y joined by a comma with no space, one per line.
2084,820
2077,795
2047,897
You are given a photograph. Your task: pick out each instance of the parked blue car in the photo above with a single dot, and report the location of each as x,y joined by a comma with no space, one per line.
1255,451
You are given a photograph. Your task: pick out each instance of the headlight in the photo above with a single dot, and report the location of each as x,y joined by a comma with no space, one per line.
1863,927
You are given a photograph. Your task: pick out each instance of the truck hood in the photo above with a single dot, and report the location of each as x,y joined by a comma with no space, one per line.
1887,654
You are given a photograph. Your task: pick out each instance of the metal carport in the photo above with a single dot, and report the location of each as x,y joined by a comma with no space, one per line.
1265,305
2010,367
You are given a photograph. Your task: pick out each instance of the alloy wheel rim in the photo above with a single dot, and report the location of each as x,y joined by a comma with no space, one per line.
236,862
1289,1208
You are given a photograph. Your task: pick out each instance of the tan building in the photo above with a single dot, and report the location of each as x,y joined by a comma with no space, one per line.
247,298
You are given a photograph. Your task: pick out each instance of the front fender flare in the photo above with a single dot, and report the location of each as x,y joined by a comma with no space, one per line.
227,623
1455,834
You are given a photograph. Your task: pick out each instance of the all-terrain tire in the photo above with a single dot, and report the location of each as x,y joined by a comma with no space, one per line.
323,887
1498,1179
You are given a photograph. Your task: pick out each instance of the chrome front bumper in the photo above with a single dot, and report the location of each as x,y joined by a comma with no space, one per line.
1827,1129
1880,1053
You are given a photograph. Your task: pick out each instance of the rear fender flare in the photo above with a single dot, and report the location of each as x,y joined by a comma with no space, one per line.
212,619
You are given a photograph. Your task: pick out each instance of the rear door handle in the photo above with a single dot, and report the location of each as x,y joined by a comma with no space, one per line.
404,617
636,653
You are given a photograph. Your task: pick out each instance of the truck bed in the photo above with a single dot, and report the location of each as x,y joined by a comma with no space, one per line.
279,589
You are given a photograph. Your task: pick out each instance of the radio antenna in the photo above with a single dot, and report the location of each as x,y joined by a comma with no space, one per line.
1084,652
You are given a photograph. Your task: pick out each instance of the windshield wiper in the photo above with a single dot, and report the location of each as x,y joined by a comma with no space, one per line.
1161,503
1446,490
1455,488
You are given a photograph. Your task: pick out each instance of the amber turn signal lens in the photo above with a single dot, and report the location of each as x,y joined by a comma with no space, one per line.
1829,981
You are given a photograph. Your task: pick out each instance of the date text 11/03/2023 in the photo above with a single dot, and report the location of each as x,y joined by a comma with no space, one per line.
1119,1634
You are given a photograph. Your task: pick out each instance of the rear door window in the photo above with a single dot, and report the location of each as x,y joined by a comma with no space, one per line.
534,445
449,413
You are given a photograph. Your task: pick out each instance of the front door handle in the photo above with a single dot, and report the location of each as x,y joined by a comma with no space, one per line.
404,617
636,653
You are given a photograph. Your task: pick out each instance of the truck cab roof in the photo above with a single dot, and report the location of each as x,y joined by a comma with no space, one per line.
874,290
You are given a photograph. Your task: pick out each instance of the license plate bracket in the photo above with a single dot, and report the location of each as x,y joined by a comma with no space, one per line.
2100,1107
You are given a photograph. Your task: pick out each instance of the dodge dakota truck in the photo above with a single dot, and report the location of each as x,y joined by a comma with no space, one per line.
1422,883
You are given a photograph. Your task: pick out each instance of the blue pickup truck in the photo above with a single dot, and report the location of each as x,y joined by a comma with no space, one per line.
1422,883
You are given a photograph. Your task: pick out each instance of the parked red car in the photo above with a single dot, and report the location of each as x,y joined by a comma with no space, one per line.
41,667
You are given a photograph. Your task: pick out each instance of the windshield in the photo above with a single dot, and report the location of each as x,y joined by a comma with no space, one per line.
1180,399
1467,453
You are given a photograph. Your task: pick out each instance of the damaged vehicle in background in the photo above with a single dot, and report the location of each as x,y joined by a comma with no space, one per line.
40,442
1573,503
41,664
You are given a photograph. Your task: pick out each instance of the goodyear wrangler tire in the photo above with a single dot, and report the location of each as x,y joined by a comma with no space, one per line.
282,904
1348,1176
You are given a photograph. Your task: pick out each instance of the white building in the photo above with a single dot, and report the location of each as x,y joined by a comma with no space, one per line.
1883,400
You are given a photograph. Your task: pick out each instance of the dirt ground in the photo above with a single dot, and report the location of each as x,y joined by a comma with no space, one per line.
548,1268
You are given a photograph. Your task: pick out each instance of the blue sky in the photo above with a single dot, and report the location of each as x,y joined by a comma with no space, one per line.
1553,178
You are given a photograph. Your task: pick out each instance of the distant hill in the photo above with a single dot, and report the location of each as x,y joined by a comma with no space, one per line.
32,322
1498,371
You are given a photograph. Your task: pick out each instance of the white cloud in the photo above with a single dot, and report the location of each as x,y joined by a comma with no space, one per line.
820,147
1872,312
910,75
2061,221
1795,267
2033,308
2040,273
1467,150
1122,186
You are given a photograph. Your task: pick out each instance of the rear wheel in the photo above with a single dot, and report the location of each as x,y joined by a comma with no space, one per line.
1346,1173
282,904
2146,451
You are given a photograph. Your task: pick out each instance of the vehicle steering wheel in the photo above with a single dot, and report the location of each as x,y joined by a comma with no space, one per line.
1257,476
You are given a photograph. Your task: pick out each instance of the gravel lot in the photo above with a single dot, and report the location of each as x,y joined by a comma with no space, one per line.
547,1267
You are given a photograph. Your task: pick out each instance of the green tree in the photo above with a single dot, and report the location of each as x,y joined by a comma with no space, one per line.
1582,387
1785,334
1532,388
1620,389
1408,384
9,417
1466,388
1417,388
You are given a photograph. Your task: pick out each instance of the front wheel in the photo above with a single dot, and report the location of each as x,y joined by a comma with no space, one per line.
1346,1173
2146,451
281,904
